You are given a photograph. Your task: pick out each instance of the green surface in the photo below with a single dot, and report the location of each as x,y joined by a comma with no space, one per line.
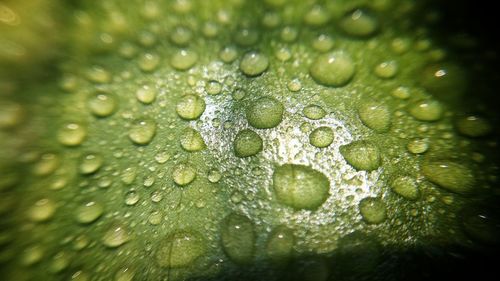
236,140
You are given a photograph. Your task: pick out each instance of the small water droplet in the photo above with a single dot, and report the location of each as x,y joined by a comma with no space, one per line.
373,210
190,107
254,63
142,131
90,163
183,174
265,113
131,198
43,210
247,143
321,137
115,236
183,59
89,212
72,134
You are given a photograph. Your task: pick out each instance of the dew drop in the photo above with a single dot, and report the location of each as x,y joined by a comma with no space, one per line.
321,137
333,69
426,110
247,143
279,247
359,23
90,163
418,146
115,236
148,62
452,176
386,69
238,238
300,187
146,94
323,43
72,134
316,16
214,176
373,210
142,131
246,37
43,210
190,107
265,113
131,198
375,116
213,87
228,54
89,212
191,140
102,104
361,155
183,59
314,112
406,187
254,63
181,35
47,164
183,174
180,249
473,126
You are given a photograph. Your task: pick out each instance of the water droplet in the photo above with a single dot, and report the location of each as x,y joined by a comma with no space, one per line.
156,196
238,238
452,176
283,54
11,114
405,186
473,126
59,262
162,157
191,140
265,113
128,175
142,131
98,74
333,69
289,34
294,85
254,63
115,236
183,59
80,276
210,29
214,176
246,37
228,54
89,212
155,218
400,45
401,93
323,43
361,155
181,35
426,110
183,174
131,198
247,143
373,210
47,164
190,107
280,243
386,69
359,23
72,134
146,94
271,19
90,163
43,210
321,137
446,81
418,146
125,274
375,116
300,187
148,62
146,38
102,104
32,255
213,87
314,112
180,249
316,16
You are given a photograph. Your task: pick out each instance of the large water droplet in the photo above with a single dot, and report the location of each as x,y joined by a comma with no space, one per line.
321,137
146,94
43,210
238,238
180,249
115,236
247,143
333,69
300,187
183,59
265,113
314,112
280,244
449,175
426,110
190,107
362,155
72,134
359,23
183,174
89,212
102,104
405,186
142,131
375,116
254,64
373,210
191,140
90,163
